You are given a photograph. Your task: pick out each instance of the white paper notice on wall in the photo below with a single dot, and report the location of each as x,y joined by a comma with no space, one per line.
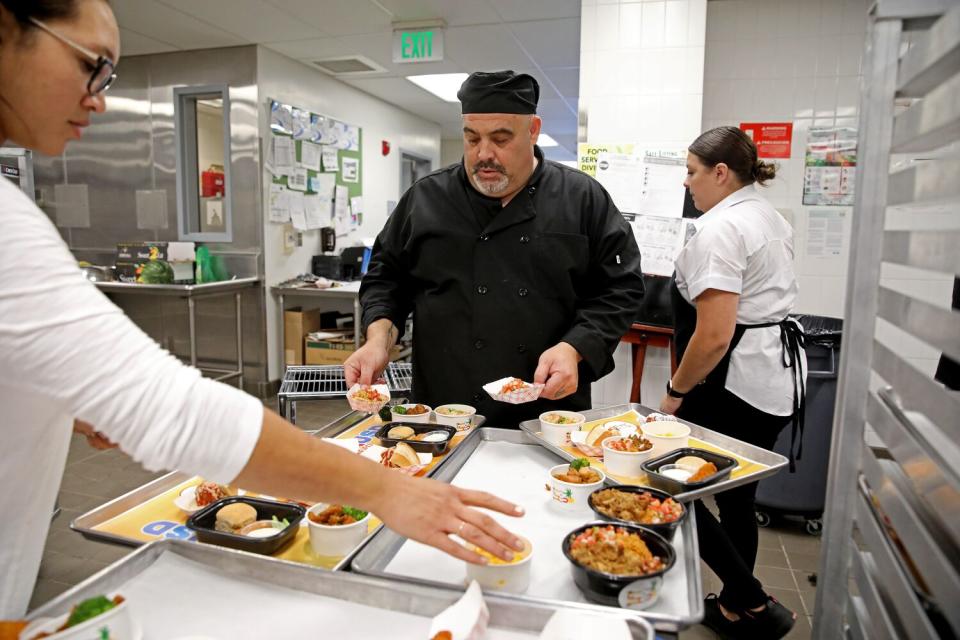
309,156
330,155
297,214
618,173
660,240
283,155
72,205
661,183
151,209
312,211
279,204
825,230
350,169
297,180
341,210
323,184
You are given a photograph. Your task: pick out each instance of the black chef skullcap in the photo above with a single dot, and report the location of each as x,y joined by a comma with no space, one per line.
499,92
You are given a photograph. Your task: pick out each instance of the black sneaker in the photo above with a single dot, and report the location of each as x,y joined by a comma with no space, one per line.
713,617
772,623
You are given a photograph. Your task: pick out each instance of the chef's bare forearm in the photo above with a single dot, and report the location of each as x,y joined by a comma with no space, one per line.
288,462
383,332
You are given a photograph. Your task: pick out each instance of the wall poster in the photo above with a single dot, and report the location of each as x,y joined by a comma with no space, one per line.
830,165
772,138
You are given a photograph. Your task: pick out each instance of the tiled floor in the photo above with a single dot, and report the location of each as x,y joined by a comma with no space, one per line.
786,559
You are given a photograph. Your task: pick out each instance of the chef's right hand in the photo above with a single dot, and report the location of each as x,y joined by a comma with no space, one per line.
430,512
366,365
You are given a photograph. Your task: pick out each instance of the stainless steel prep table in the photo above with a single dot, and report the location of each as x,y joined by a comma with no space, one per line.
174,589
508,463
772,462
191,292
348,291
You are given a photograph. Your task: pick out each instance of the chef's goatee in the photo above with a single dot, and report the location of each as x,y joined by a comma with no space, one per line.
499,92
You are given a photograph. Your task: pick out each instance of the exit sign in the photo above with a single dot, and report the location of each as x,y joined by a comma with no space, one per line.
417,45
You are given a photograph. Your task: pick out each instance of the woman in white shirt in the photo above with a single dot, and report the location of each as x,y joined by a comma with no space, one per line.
742,365
67,353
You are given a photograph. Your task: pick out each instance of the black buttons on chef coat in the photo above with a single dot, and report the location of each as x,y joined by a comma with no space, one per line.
524,239
532,190
482,289
479,344
522,291
483,238
521,348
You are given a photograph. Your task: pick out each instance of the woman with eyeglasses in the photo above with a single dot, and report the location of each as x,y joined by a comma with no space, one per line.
68,356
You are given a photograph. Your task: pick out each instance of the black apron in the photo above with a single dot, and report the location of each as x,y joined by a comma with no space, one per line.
791,340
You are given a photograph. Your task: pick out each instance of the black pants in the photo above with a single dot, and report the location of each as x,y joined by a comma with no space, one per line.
729,546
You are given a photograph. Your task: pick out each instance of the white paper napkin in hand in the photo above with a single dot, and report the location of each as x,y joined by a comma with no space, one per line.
465,619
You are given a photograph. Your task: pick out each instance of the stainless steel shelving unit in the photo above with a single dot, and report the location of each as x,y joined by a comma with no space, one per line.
317,382
891,550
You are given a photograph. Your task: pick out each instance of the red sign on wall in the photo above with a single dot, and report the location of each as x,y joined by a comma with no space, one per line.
772,138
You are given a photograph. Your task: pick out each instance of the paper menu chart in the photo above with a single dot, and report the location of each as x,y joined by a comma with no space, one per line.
660,240
650,183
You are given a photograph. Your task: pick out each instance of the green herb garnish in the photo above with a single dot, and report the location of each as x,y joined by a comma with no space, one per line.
400,409
89,609
579,463
356,514
280,524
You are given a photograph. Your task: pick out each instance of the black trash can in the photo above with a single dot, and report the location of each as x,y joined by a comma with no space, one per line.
803,492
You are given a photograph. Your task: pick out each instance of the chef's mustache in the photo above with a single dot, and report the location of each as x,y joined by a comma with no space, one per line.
489,165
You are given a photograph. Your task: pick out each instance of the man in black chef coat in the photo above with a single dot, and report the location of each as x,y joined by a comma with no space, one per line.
512,265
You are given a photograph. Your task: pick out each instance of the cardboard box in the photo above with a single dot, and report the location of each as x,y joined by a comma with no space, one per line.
297,323
334,351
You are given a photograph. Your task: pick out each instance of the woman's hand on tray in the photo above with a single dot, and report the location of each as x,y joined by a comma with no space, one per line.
429,512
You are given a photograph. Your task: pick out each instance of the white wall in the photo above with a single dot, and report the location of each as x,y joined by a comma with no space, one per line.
451,151
800,62
295,83
641,81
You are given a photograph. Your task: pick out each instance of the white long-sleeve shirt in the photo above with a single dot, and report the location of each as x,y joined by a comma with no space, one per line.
67,352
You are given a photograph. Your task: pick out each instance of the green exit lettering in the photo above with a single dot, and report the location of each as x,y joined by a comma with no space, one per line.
416,44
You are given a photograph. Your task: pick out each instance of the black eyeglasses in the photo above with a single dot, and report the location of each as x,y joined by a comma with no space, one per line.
103,73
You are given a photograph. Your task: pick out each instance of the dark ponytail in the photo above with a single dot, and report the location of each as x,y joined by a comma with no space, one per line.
734,148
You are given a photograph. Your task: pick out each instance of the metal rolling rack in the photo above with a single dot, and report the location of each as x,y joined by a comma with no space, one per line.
328,381
903,474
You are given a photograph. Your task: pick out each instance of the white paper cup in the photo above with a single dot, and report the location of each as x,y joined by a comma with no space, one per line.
511,578
666,436
335,541
403,417
454,420
624,463
572,497
558,433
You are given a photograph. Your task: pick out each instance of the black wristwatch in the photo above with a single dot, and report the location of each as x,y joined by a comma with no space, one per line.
673,393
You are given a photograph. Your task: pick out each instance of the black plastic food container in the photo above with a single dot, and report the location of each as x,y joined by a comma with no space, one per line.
604,588
204,522
725,465
436,448
666,529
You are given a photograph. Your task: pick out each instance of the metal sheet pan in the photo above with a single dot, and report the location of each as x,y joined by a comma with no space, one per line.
179,612
88,523
772,462
509,464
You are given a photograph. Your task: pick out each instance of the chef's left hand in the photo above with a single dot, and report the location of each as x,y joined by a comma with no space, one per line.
558,370
669,404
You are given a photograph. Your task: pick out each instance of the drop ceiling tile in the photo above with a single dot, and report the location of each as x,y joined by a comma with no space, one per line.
551,43
165,24
567,81
488,48
454,12
253,20
398,91
134,44
514,11
338,17
309,49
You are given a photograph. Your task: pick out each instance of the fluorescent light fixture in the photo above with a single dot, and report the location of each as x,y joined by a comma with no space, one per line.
546,141
442,85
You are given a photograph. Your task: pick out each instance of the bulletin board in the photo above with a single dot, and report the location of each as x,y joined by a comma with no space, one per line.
315,164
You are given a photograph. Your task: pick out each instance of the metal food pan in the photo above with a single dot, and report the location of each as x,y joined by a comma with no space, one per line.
229,593
771,461
509,464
